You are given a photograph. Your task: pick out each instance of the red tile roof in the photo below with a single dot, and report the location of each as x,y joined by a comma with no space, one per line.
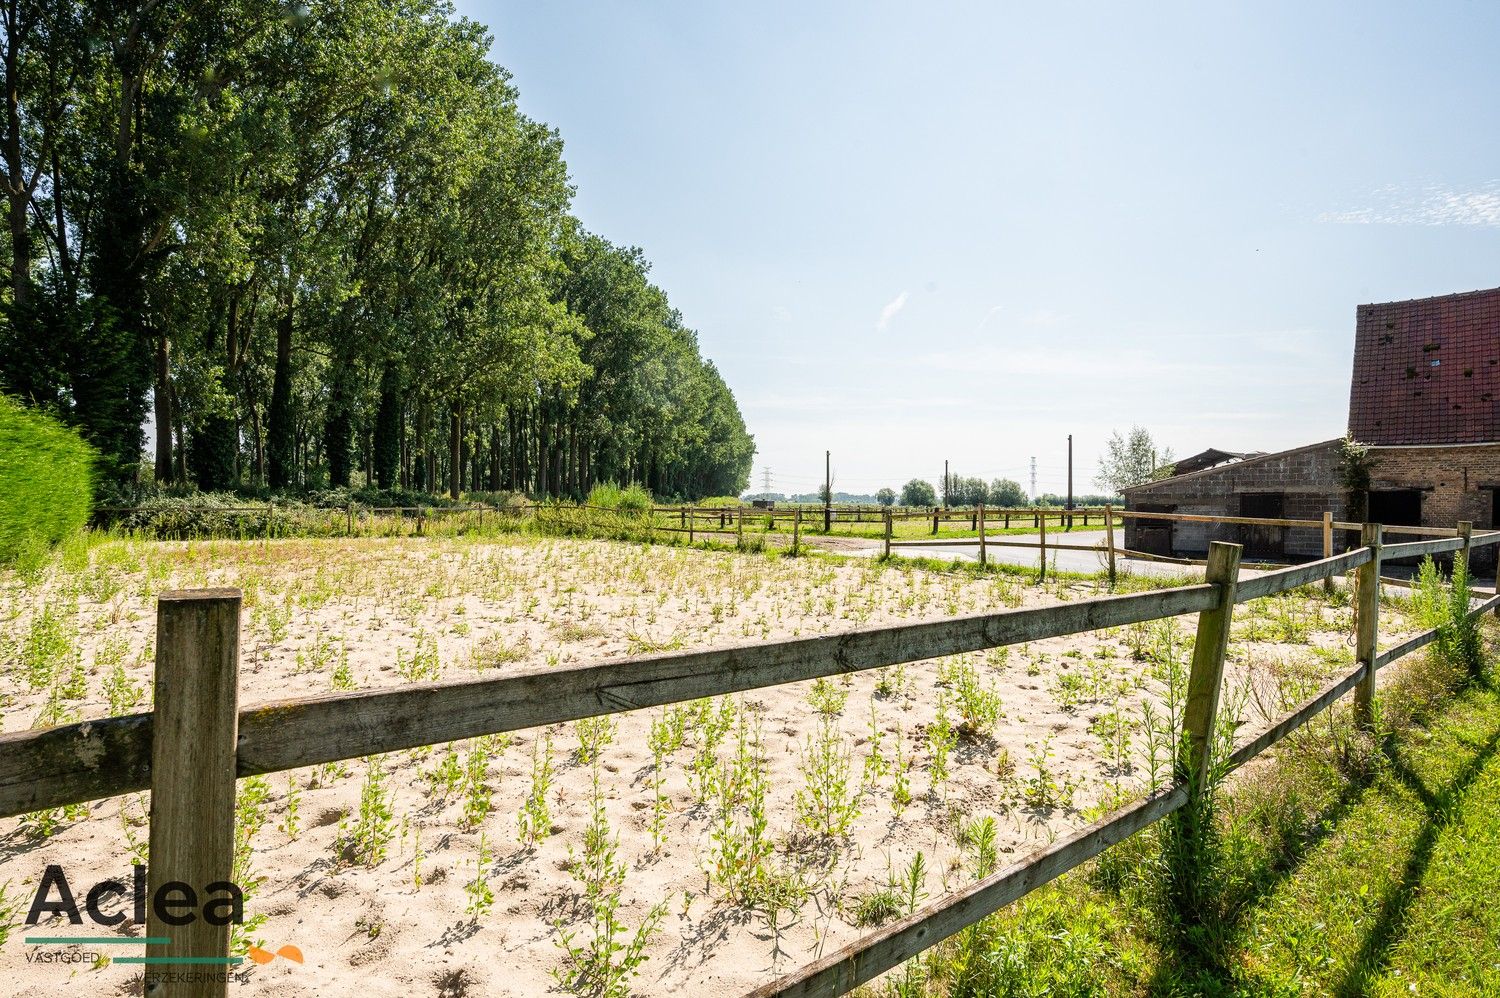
1427,371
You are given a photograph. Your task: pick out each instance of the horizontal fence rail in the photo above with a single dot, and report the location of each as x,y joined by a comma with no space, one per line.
95,759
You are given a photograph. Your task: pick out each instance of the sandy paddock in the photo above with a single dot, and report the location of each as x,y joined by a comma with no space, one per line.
1072,734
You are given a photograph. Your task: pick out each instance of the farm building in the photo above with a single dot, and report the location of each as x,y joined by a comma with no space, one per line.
1425,398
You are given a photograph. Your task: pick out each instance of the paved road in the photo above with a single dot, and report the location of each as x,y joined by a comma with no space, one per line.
1027,554
1068,561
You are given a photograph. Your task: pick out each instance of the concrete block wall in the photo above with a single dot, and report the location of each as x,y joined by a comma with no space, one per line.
1308,476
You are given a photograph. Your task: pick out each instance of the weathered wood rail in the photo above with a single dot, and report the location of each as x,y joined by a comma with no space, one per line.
209,743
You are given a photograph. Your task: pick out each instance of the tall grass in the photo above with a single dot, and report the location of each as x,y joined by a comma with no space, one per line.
632,499
1446,609
46,481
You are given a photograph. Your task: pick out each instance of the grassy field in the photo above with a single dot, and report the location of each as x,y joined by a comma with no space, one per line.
1345,866
721,842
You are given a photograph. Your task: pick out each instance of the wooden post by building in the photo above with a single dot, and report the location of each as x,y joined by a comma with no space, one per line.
1042,547
1109,541
979,519
1207,675
1328,545
827,491
194,729
1366,625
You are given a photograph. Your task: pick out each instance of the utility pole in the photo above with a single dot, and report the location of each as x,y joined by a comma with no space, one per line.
1070,481
827,491
945,483
765,478
1033,479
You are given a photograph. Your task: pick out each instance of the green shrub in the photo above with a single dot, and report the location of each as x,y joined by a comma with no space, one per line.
46,480
609,495
720,502
1445,608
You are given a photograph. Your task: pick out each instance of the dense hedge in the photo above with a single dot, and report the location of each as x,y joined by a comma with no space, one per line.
191,515
46,479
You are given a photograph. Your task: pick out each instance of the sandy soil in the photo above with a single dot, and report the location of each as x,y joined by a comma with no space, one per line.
1072,736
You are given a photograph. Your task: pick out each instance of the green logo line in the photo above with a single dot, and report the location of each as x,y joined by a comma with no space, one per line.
157,960
96,941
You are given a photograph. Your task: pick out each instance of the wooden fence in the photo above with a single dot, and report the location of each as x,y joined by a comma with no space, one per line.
196,742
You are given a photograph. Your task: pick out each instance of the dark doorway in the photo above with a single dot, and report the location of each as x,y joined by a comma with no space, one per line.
1396,507
1154,536
1264,542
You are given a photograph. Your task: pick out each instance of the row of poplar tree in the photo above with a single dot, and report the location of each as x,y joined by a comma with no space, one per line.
321,241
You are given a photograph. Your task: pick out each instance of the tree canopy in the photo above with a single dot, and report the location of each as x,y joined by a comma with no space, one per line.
1131,460
318,244
918,492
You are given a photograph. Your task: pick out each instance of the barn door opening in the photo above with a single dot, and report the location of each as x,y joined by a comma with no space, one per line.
1396,507
1264,541
1154,536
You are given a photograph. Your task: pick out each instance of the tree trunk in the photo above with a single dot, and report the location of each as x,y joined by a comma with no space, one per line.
387,446
455,448
163,410
541,454
495,457
280,432
337,428
421,470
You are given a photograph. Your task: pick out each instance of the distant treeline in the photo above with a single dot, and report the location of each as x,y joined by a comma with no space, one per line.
1002,492
323,242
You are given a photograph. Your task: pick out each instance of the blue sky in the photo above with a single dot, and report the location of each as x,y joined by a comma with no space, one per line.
911,232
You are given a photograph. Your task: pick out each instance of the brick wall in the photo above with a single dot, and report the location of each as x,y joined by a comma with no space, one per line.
1455,480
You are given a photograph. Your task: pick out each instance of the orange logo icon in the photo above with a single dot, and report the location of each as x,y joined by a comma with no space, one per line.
264,957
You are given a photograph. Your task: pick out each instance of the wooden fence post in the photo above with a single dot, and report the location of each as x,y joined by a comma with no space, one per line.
934,520
1328,545
797,533
1207,676
739,528
193,783
1109,541
888,527
1367,625
979,519
349,515
1466,531
1042,545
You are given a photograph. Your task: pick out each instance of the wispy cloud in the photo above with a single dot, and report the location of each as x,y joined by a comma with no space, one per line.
893,306
1430,205
1045,317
